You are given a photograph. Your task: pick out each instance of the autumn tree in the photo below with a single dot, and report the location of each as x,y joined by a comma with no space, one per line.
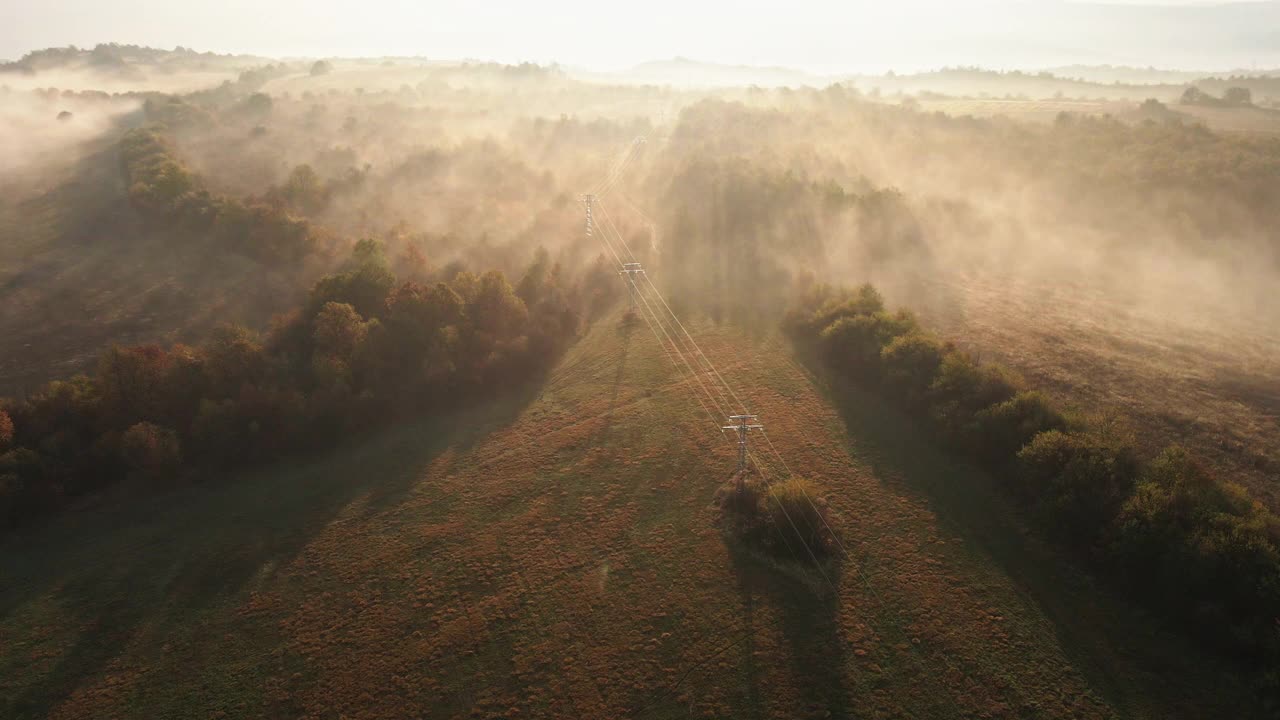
131,382
6,431
151,451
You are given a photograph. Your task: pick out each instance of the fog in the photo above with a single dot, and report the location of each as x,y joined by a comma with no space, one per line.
35,134
1062,233
818,36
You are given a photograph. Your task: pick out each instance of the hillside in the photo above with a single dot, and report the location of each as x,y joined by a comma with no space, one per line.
1206,379
558,555
80,269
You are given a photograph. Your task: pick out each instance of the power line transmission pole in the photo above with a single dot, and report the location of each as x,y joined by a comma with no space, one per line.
743,425
631,269
589,199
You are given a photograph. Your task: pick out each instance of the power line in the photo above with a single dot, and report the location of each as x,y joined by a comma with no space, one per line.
700,358
743,451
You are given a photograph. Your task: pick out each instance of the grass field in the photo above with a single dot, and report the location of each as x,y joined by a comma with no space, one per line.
557,554
1206,377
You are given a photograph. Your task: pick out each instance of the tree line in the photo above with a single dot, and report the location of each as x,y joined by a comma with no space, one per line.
363,351
1191,545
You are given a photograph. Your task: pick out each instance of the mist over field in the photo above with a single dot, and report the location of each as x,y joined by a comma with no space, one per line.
844,360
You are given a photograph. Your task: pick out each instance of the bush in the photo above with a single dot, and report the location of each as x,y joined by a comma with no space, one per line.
853,343
793,510
1203,548
999,431
961,389
911,363
1077,482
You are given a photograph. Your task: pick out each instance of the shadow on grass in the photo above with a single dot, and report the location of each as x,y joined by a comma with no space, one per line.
158,569
810,624
1137,668
625,329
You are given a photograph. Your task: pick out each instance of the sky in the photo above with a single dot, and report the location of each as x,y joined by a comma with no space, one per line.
829,36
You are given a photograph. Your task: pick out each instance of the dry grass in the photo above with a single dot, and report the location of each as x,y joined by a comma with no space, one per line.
559,556
1210,382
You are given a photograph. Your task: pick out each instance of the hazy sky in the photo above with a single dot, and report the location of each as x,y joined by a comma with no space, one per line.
832,36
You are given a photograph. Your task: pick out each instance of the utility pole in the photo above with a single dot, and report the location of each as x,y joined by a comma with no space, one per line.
589,199
743,425
631,269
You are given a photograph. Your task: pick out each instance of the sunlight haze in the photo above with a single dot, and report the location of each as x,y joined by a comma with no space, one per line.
821,37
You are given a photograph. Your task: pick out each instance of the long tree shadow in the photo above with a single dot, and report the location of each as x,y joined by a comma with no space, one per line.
626,328
161,565
810,624
1119,650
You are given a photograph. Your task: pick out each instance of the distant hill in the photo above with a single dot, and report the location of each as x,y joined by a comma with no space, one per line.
683,72
124,61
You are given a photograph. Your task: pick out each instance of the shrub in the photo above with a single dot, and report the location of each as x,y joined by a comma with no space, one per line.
793,510
1204,548
852,344
999,431
911,364
961,389
1076,481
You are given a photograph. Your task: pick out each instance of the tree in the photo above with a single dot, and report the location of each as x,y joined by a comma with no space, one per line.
321,67
233,357
303,191
130,384
258,103
911,363
1195,96
365,285
6,431
497,310
151,451
339,330
1240,96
